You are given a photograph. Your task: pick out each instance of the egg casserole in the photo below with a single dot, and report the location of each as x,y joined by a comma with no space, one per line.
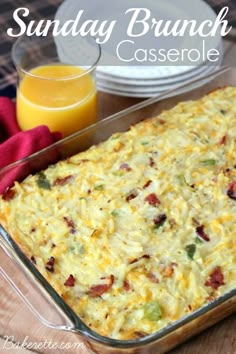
140,230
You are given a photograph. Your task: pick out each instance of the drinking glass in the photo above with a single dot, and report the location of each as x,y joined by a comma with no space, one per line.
54,88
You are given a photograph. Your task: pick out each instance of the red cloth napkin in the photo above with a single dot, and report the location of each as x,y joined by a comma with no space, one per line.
16,144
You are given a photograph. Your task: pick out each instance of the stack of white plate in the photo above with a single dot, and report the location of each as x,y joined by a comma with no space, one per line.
148,81
143,81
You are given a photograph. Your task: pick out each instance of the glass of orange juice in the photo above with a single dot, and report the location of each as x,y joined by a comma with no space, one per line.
53,89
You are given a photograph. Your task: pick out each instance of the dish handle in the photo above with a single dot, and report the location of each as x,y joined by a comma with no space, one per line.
33,295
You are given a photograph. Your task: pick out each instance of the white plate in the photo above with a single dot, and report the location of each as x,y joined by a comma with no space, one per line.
160,82
144,92
196,70
150,86
194,9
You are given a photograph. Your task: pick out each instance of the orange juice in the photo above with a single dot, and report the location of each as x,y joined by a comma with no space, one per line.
62,97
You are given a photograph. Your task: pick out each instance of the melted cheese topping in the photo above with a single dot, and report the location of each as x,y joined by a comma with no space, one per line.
143,225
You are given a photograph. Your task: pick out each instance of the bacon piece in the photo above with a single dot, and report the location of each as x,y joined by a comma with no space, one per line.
99,289
168,271
126,285
125,167
210,298
70,224
201,233
159,220
153,278
70,281
223,140
84,160
139,334
33,259
139,258
147,184
152,200
216,279
231,192
8,194
62,181
151,162
132,195
50,264
226,171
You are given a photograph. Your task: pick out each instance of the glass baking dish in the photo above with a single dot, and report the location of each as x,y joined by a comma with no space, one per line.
37,293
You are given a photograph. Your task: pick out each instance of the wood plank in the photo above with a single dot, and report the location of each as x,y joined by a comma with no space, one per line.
219,339
17,321
8,347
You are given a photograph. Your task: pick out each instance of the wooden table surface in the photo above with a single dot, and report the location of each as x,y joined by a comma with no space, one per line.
19,324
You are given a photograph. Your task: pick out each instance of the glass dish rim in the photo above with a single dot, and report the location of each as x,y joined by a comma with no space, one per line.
79,325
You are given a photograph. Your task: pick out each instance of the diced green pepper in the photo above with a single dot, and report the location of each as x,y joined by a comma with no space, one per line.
42,181
77,249
115,213
115,136
198,240
118,173
99,187
209,162
152,311
190,249
181,179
